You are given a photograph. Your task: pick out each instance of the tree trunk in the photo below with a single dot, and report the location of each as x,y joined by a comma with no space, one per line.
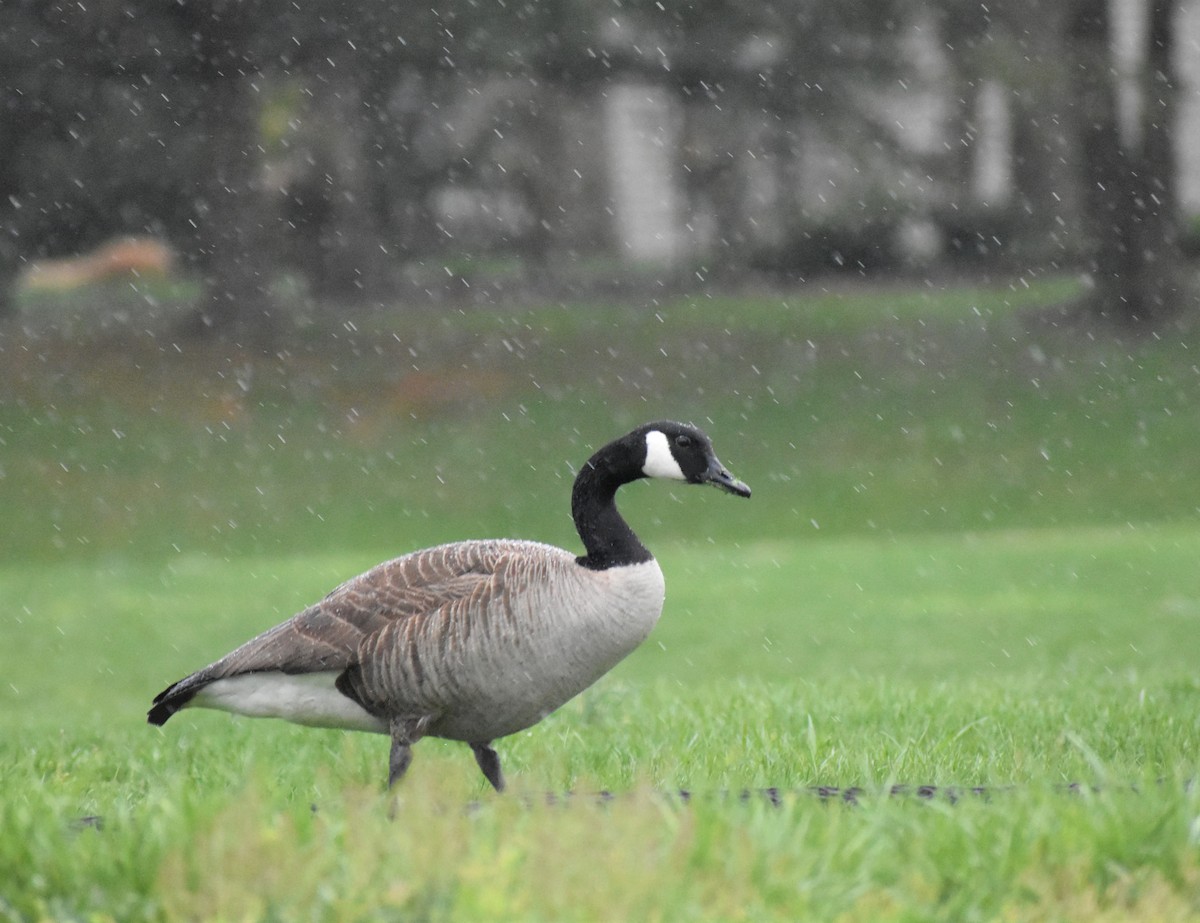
235,266
1128,186
349,264
1157,204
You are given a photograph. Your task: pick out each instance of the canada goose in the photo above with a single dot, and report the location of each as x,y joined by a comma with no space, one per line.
473,640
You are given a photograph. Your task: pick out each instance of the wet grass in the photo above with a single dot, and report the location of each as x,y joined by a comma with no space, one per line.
952,411
969,561
1058,604
217,819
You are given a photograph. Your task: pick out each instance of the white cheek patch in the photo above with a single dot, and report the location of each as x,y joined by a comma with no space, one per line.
660,463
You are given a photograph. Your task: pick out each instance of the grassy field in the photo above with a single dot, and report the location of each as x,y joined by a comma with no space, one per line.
969,561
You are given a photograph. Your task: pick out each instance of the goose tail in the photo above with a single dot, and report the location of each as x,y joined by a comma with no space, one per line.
171,699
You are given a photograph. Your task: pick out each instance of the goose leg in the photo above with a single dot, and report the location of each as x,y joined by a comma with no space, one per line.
489,762
404,734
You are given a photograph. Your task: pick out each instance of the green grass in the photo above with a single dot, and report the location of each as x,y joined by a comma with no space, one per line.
969,560
1056,604
390,430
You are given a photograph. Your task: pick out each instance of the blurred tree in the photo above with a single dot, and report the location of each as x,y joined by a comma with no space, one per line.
990,48
767,91
216,51
1128,181
150,120
121,118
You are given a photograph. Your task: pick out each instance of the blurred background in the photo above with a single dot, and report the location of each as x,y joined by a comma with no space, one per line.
486,150
277,275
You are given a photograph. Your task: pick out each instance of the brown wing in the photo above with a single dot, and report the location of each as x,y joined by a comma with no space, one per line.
328,635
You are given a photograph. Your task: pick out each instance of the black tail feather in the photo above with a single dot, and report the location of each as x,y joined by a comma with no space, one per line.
169,701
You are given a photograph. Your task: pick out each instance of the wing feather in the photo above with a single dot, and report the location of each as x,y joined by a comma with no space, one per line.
371,612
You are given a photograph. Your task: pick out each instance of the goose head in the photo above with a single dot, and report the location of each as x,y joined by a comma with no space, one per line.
675,451
680,452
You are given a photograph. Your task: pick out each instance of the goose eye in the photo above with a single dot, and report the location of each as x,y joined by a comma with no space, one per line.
683,441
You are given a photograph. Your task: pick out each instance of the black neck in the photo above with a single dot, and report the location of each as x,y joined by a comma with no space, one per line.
606,536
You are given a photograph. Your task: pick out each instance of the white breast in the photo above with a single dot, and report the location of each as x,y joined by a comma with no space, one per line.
563,635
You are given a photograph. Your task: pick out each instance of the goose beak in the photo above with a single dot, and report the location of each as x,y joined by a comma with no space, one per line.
719,475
